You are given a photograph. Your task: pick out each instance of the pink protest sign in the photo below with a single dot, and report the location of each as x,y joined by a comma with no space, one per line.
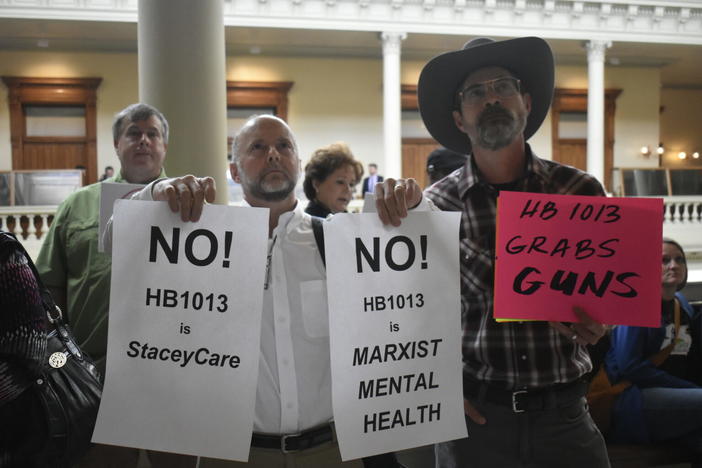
554,252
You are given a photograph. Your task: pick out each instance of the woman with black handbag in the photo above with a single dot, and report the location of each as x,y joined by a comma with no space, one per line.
23,430
49,390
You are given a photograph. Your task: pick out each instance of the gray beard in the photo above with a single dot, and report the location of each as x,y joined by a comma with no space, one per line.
262,192
495,135
272,195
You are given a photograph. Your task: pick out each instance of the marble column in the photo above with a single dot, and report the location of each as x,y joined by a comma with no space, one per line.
595,107
392,110
182,73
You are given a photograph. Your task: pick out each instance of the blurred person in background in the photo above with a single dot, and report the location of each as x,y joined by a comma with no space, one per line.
331,177
443,161
372,179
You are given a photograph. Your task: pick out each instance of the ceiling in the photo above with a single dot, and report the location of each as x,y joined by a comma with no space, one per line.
681,65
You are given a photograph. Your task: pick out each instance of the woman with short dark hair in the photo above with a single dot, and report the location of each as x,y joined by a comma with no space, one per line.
331,177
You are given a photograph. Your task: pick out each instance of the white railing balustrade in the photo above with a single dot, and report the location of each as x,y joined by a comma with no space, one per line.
28,223
683,210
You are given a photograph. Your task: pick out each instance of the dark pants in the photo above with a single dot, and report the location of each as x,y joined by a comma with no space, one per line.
563,437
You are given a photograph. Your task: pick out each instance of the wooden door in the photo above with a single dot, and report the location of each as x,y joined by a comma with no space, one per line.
29,151
573,151
414,158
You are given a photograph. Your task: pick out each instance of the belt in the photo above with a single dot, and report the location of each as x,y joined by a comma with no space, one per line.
294,442
535,399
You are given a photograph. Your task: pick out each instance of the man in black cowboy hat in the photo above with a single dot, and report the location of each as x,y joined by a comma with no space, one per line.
522,381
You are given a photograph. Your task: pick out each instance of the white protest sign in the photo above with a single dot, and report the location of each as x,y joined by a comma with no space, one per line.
395,331
184,330
109,192
369,203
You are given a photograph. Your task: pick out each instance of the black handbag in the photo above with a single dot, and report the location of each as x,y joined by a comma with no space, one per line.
69,388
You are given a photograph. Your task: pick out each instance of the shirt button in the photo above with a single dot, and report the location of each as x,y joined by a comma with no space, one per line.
289,406
281,319
524,357
285,362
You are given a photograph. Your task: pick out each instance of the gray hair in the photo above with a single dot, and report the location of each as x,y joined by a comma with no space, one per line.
250,122
136,113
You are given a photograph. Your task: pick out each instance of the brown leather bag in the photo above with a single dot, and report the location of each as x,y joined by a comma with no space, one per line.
601,394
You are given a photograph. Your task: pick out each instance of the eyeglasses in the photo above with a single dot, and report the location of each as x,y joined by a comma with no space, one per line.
503,87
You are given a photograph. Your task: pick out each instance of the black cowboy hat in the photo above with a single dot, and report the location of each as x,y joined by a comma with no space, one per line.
528,58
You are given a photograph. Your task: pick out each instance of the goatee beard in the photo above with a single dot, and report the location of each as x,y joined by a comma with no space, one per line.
497,127
264,193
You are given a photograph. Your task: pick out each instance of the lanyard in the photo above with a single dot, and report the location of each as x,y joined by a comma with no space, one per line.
268,263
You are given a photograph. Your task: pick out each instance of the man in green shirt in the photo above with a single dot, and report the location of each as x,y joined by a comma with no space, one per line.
69,263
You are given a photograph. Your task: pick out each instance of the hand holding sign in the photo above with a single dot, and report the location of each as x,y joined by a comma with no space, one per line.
186,194
586,331
394,197
395,332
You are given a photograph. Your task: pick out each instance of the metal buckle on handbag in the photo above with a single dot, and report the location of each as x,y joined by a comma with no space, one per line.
57,359
58,316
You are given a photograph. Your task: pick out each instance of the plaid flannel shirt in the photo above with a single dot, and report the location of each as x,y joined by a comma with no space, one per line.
513,355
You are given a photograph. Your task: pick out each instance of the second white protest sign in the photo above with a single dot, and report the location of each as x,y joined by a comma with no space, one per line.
395,332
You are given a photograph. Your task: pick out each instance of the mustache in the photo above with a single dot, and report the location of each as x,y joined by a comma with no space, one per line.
496,110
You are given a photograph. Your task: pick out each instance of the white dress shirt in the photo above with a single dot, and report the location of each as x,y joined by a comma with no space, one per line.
294,379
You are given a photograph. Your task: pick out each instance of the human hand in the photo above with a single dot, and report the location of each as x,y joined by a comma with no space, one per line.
186,194
394,197
586,331
473,413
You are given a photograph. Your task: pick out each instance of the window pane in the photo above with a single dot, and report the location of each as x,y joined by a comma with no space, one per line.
5,190
572,125
46,187
645,182
55,121
686,181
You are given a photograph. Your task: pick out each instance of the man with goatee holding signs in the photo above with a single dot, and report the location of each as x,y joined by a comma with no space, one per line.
293,398
522,381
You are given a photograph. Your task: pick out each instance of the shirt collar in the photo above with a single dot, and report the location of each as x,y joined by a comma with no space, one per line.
285,219
119,179
535,167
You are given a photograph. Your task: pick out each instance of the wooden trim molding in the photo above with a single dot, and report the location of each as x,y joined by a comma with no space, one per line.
408,97
52,91
260,94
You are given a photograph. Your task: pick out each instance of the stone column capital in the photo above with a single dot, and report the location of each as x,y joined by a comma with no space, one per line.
596,49
392,41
